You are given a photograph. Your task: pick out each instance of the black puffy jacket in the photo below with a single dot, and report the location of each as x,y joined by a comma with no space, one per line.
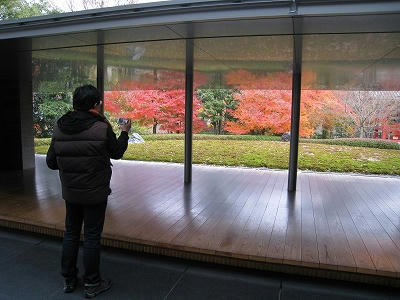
81,147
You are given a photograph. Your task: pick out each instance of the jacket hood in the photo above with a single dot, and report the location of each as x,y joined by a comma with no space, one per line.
77,121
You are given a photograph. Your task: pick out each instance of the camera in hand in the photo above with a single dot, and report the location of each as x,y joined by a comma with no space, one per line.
122,121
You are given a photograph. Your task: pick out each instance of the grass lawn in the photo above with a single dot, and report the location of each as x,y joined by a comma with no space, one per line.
269,154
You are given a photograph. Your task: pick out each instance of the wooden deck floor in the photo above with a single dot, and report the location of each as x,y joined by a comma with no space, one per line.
335,222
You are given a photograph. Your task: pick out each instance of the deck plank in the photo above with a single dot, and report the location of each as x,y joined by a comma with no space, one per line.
325,243
208,188
309,247
353,232
240,215
293,240
206,236
244,245
345,258
387,242
338,222
371,242
261,239
273,226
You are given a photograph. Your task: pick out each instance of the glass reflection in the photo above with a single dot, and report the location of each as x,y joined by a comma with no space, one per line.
352,61
146,83
350,98
55,75
247,97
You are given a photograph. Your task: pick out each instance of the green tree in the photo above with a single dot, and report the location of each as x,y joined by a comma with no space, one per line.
49,104
47,114
53,96
53,82
217,105
17,9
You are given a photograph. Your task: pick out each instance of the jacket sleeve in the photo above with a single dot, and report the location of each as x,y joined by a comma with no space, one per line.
51,158
117,147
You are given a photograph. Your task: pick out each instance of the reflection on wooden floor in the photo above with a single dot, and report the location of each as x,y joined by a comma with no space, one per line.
336,222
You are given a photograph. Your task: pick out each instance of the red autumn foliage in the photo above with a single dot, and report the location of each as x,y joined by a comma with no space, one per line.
260,112
155,98
269,112
158,98
265,104
319,108
154,107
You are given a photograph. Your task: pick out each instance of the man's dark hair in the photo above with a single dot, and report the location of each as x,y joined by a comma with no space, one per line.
85,97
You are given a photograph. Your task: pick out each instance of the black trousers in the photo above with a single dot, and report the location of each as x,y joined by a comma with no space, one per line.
92,216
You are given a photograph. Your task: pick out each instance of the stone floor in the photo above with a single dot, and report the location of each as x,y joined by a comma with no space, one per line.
29,266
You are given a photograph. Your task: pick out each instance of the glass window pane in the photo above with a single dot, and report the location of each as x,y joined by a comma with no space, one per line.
350,98
243,93
145,82
56,74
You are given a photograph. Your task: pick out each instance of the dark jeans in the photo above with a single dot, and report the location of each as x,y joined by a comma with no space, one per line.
93,218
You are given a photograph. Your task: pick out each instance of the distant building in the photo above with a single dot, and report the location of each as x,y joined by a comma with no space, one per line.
389,131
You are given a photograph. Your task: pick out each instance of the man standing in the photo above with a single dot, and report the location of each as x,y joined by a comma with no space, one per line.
81,147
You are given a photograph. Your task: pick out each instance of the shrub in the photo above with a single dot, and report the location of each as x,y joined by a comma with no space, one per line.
197,137
47,109
369,143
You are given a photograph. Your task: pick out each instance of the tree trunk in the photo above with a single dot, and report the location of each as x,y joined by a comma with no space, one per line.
219,127
155,127
324,133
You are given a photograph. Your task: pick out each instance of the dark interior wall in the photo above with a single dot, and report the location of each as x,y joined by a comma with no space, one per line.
16,118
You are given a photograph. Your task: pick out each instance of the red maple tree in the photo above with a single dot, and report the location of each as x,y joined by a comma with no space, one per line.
156,99
265,104
261,112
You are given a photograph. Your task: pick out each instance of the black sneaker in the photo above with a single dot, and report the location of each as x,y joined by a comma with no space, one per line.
70,284
92,290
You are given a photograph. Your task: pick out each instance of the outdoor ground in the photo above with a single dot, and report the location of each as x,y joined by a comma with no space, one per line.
30,270
264,153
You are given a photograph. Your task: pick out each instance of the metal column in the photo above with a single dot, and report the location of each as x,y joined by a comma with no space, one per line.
189,110
100,66
295,119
